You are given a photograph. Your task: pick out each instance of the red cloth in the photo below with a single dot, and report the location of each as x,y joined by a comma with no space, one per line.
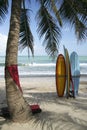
13,70
34,107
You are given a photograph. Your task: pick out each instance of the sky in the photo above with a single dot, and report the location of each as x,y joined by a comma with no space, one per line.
68,38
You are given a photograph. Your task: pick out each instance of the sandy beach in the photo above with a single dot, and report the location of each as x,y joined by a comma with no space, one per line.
57,113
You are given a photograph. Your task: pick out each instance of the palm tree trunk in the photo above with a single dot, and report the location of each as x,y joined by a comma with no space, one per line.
18,107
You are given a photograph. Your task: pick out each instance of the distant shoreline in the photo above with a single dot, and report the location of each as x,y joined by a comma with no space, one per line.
83,78
42,75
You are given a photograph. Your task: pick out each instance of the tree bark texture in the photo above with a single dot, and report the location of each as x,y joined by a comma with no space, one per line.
18,107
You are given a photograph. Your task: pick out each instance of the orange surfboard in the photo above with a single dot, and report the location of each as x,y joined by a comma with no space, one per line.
60,75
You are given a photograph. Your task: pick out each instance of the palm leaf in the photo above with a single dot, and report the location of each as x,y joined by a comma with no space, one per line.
80,30
56,12
3,9
75,12
47,27
43,2
25,37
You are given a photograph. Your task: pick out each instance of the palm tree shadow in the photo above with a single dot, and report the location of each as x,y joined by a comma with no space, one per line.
3,103
2,122
54,120
51,97
43,97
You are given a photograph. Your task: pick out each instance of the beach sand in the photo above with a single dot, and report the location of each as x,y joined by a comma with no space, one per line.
57,113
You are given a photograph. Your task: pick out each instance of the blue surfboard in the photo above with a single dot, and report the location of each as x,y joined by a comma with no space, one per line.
75,71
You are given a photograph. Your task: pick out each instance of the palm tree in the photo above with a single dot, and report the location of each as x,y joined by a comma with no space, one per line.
50,18
19,109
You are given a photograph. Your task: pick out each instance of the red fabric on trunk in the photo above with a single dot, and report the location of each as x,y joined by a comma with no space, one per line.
13,70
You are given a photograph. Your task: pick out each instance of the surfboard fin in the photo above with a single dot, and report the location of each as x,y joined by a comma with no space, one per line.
71,94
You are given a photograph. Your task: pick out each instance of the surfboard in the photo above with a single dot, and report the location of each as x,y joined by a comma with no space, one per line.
67,72
60,75
69,80
75,70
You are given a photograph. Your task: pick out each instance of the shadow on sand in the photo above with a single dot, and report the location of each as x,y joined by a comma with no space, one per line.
56,118
62,120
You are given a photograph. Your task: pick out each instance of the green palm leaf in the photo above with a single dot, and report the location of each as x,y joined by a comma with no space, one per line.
56,12
75,12
48,28
80,30
3,9
25,37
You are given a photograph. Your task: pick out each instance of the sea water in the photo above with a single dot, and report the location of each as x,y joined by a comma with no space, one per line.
39,66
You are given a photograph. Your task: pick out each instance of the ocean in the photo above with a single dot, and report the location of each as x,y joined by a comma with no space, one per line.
39,66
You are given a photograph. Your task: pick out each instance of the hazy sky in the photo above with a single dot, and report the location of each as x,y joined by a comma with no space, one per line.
68,38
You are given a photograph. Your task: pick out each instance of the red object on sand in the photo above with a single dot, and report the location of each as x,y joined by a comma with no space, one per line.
13,70
35,108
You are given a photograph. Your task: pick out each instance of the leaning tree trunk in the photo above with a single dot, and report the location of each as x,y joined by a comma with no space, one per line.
18,107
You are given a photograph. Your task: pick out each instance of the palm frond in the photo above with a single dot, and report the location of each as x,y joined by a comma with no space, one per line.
25,37
49,29
56,12
80,30
3,9
81,10
75,12
42,2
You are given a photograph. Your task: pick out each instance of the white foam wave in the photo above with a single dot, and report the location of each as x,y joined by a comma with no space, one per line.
40,64
37,73
48,64
83,64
